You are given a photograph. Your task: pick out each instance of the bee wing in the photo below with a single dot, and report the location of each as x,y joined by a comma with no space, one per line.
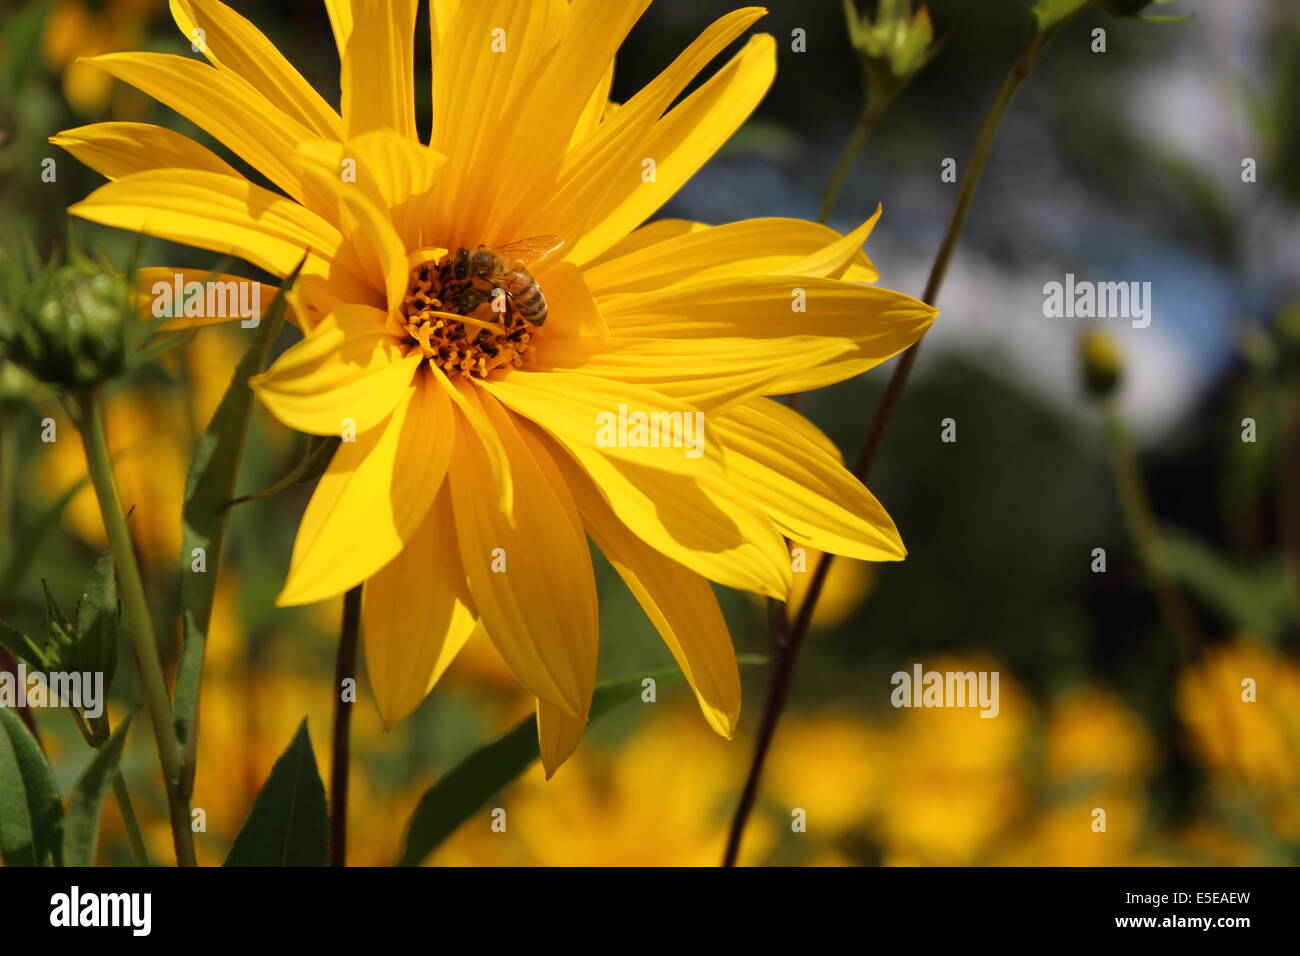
534,249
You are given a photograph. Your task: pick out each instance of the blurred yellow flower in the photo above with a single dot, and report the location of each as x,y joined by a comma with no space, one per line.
955,779
75,28
1097,756
1092,736
1241,708
830,767
662,798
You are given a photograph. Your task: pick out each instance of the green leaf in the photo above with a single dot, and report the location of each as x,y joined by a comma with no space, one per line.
81,825
461,791
62,634
289,824
31,815
21,646
320,450
97,617
209,485
1253,599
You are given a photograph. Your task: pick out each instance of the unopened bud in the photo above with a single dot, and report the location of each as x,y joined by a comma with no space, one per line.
68,325
1101,363
893,47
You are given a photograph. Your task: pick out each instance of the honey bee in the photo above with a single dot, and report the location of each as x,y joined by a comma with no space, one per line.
470,278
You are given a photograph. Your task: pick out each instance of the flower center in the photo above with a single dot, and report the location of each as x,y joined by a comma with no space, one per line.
463,320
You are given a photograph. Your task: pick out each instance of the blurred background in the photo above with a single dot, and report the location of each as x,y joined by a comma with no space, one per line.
1122,166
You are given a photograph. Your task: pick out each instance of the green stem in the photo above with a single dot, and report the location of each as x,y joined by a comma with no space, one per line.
139,621
345,668
871,113
134,837
789,641
1139,519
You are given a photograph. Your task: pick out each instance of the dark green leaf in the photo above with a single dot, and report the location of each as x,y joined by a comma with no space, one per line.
467,786
31,815
97,617
289,824
61,632
81,825
319,452
210,484
21,646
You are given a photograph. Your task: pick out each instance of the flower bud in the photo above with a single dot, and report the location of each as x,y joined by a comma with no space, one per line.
67,326
1101,363
893,48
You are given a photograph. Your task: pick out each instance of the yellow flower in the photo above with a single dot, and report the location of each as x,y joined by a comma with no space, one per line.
955,781
661,799
831,768
74,30
488,445
1241,707
1093,737
1096,755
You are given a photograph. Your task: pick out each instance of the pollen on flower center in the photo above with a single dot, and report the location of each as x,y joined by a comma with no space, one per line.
463,320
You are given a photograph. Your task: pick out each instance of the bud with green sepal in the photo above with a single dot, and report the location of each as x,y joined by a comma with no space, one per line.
893,47
69,324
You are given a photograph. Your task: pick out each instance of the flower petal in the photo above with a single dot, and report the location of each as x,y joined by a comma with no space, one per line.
347,369
491,56
399,175
877,322
558,735
230,42
679,144
147,292
553,105
708,374
787,416
378,74
717,535
372,498
748,248
679,602
810,496
115,150
582,410
215,212
572,310
375,249
585,178
416,615
540,611
219,102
